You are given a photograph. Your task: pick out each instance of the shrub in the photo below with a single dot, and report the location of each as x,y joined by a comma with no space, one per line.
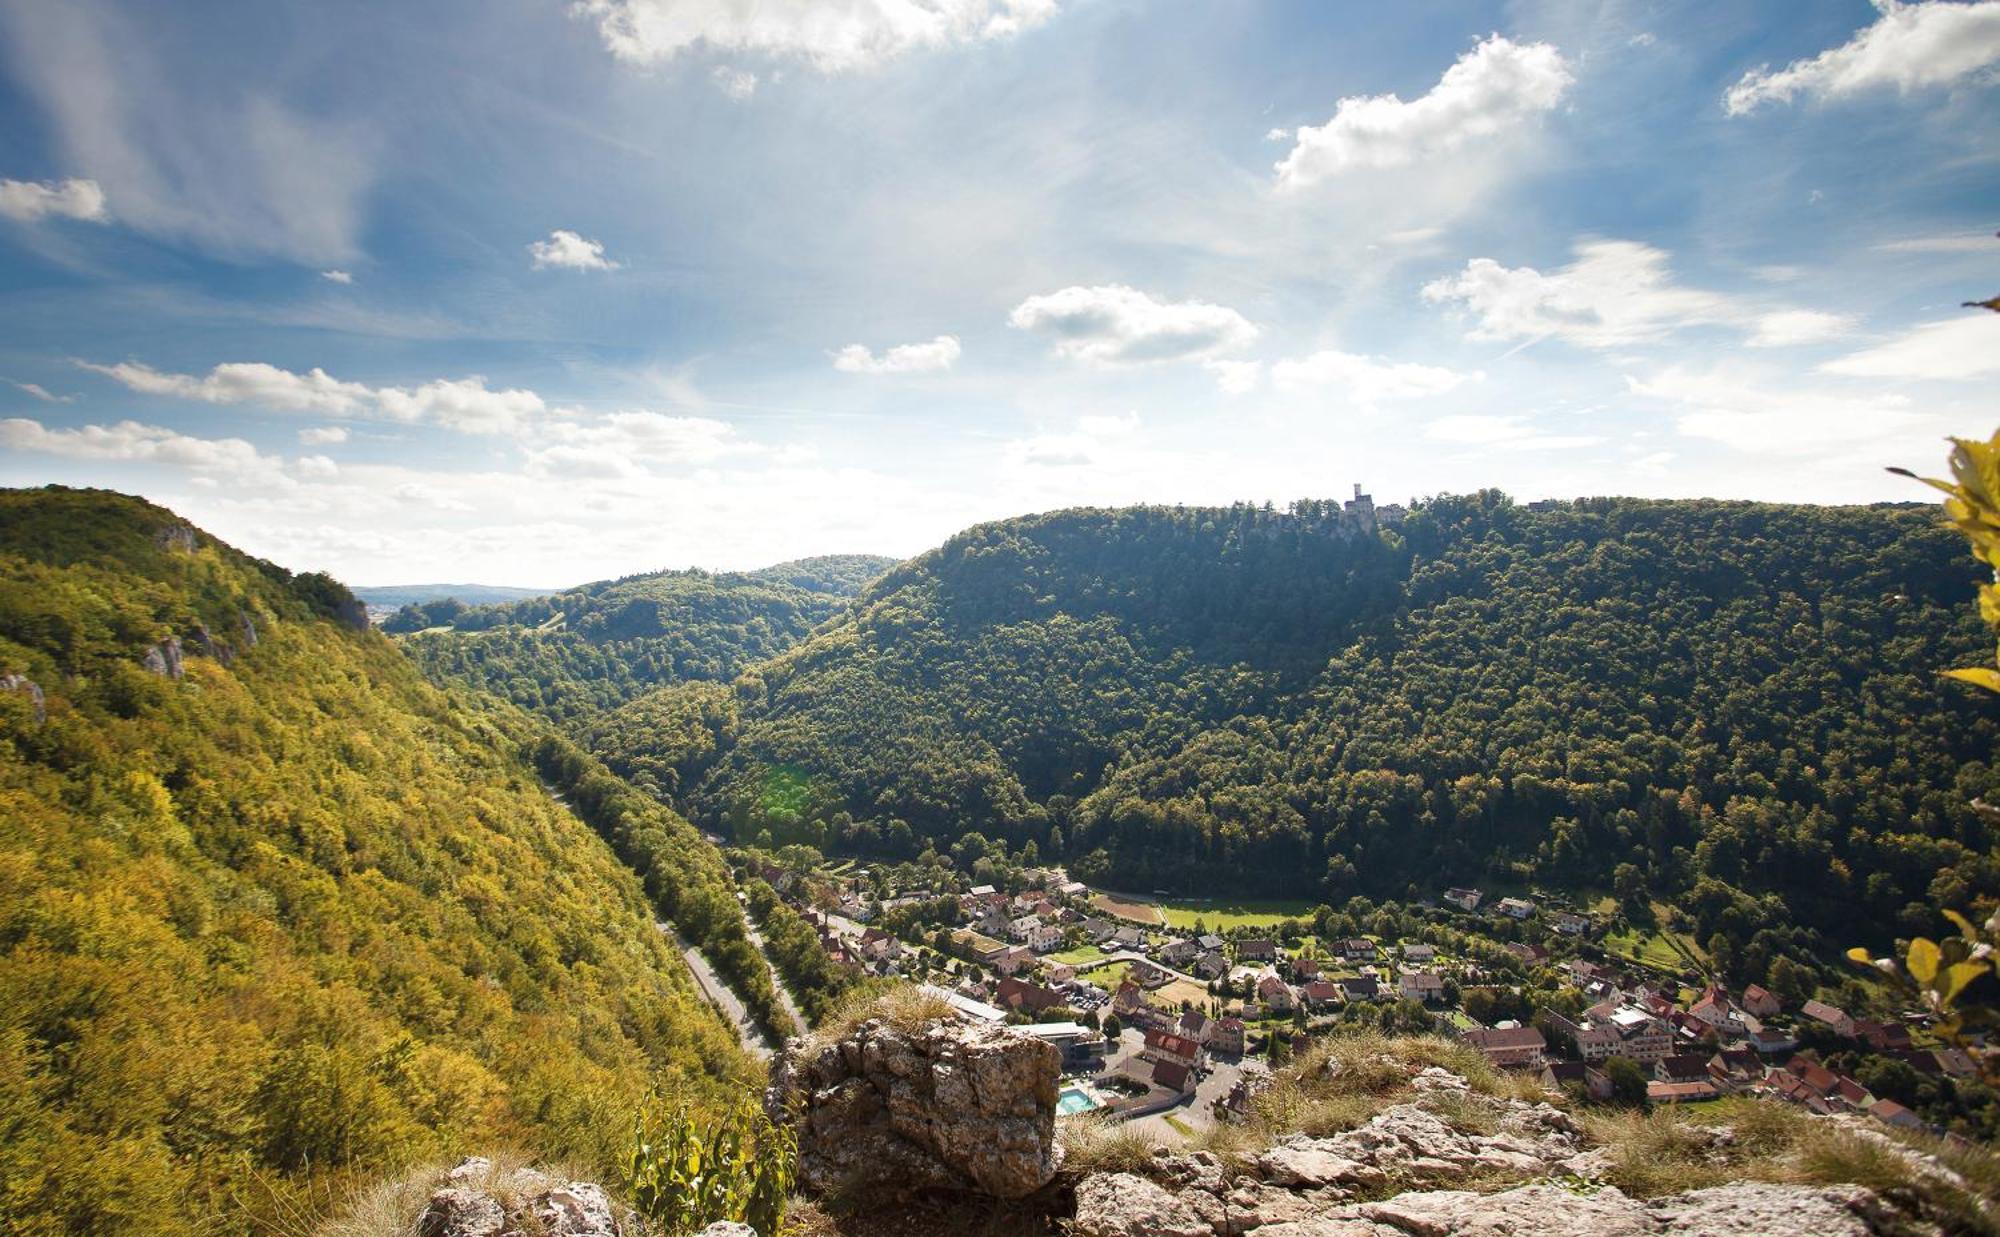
687,1171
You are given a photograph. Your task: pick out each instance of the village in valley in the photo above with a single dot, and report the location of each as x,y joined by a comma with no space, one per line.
1172,1013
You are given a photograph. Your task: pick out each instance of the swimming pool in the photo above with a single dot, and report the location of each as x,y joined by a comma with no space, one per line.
1074,1100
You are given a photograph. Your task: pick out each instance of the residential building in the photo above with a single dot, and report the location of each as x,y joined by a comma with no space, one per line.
1570,924
1557,1075
1169,1046
1417,951
1276,993
880,946
1509,1047
1225,1035
1211,965
1761,1002
1889,1112
1358,949
1681,1092
1361,988
1256,950
1464,899
1173,1076
1688,1067
1179,953
1422,986
1831,1017
1515,908
1019,994
1320,994
1772,1042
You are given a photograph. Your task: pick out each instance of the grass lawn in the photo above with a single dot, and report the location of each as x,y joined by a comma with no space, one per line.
1079,957
1672,950
1226,913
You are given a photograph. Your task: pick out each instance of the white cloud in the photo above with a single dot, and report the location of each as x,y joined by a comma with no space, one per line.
1366,380
1954,242
1505,433
1779,421
323,435
1615,294
1495,87
1787,328
418,494
734,82
829,34
1955,348
41,392
25,201
1115,325
464,404
316,467
1235,377
132,442
1909,47
219,160
925,358
336,276
1093,442
570,251
1645,38
632,444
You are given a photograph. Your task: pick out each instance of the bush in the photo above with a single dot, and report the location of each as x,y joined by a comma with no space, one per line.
687,1171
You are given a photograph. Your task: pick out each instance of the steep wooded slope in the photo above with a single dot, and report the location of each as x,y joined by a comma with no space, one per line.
569,655
292,914
1739,699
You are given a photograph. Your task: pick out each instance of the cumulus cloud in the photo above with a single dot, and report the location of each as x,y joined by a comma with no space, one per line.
1116,325
631,444
1092,442
925,358
831,35
464,404
1789,419
1235,377
323,435
734,82
1789,327
1909,47
569,251
1365,379
336,276
1497,86
26,201
1955,348
133,442
1615,294
316,467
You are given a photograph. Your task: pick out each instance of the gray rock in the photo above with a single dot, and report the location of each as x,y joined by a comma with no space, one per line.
728,1228
176,538
1770,1211
1122,1205
947,1106
574,1209
164,658
1529,1209
459,1212
249,628
29,688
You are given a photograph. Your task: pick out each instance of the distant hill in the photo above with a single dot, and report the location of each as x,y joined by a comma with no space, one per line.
1739,701
276,913
579,652
392,597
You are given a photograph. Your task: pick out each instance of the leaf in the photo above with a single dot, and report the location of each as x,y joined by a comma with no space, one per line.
1978,676
1956,977
1923,960
1860,956
1964,925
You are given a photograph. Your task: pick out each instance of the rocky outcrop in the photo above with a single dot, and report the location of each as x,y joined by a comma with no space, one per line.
249,628
1124,1205
176,538
944,1106
1348,1184
164,658
477,1201
29,688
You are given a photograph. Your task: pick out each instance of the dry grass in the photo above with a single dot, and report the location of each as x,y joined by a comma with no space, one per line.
1669,1151
905,1007
1095,1144
392,1206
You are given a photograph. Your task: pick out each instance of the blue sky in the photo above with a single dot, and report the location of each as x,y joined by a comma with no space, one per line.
533,292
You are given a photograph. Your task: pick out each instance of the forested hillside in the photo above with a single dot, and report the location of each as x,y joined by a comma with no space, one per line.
1738,700
274,911
569,655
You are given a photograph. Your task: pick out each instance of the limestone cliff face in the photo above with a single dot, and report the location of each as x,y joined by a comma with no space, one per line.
944,1106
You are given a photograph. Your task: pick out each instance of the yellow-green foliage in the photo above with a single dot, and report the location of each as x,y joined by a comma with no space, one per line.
688,1169
286,921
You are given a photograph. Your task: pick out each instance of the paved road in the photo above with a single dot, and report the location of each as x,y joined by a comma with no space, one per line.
720,995
785,1000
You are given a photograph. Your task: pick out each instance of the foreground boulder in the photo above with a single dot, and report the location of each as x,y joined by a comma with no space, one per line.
478,1201
943,1106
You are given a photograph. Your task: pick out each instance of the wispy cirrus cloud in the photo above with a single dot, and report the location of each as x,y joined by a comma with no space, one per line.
463,404
1908,47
